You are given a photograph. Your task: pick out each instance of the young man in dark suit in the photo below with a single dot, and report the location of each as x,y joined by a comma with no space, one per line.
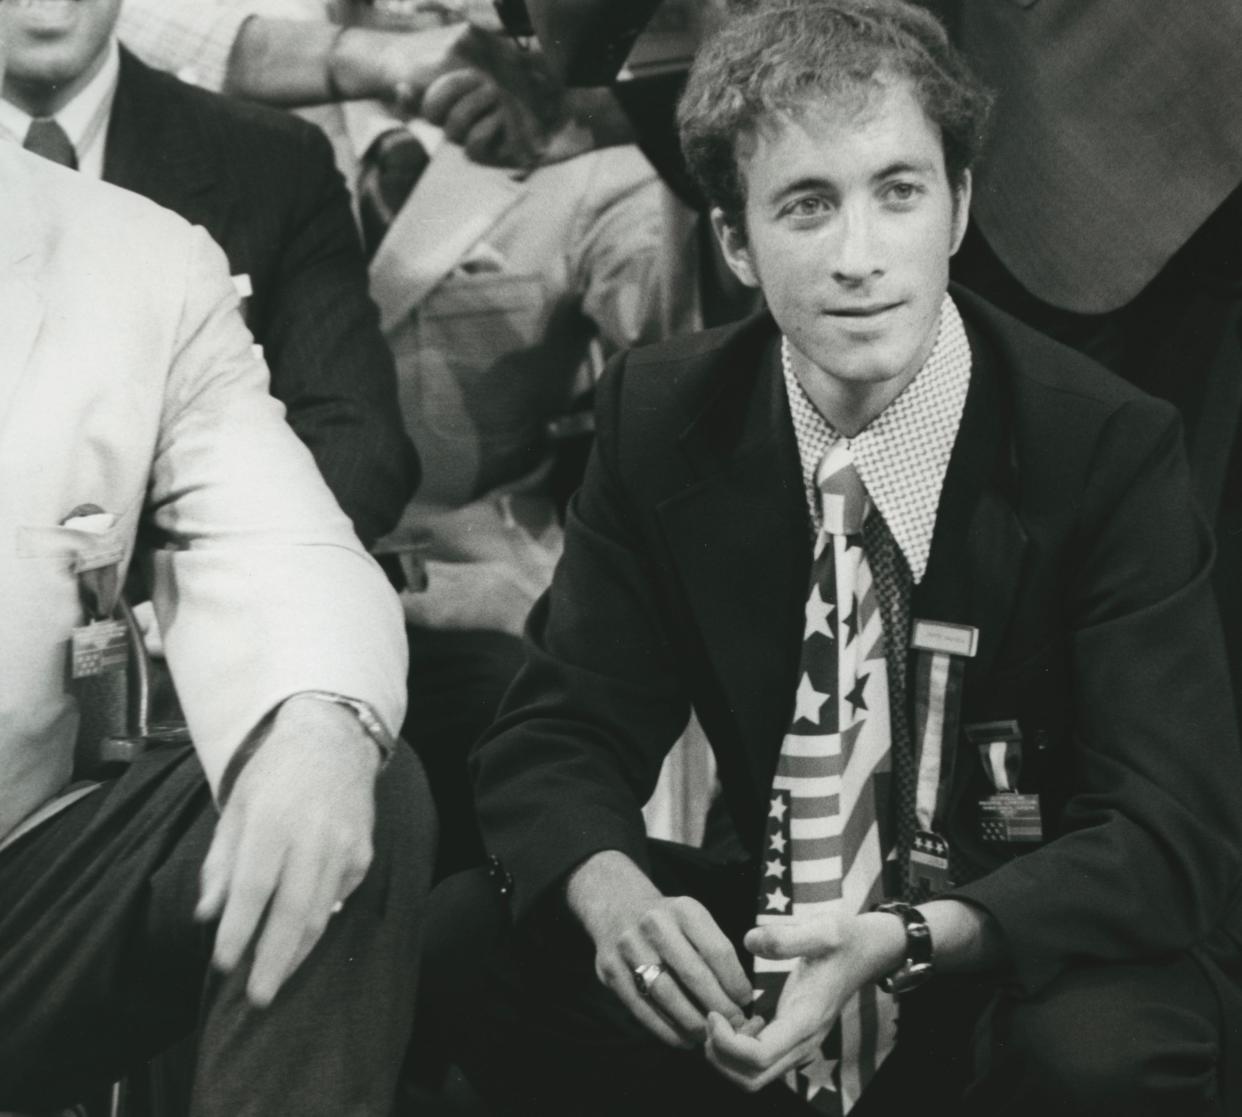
936,589
264,185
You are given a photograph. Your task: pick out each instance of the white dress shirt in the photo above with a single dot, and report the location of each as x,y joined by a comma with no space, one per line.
84,119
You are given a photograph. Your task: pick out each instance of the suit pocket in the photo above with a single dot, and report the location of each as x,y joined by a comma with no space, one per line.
75,550
462,295
487,361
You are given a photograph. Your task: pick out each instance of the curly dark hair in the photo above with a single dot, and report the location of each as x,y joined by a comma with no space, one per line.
772,56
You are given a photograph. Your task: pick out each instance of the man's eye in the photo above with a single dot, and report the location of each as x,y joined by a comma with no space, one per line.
811,206
902,191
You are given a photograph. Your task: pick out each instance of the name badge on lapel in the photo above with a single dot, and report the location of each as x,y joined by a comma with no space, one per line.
940,667
1006,815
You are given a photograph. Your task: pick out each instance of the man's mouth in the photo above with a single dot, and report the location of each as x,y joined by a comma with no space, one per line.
43,11
866,310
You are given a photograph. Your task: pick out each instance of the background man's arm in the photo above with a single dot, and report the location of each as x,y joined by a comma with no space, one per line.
330,363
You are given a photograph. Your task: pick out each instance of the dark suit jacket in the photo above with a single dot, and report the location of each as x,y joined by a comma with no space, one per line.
264,185
1118,131
1066,534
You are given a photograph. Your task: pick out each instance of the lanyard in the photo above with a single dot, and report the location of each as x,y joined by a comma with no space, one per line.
940,667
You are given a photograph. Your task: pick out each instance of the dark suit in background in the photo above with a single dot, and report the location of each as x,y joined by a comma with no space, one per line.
264,185
1066,536
1107,213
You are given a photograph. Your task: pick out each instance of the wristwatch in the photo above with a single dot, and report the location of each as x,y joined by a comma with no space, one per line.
918,965
367,718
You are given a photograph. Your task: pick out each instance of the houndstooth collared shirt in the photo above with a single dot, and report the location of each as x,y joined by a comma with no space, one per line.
903,454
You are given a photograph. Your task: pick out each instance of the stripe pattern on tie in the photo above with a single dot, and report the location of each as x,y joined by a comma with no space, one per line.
829,831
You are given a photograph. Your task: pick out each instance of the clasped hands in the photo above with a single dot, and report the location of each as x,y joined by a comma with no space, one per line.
702,997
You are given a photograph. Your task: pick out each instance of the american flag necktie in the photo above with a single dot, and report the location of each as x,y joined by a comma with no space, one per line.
829,831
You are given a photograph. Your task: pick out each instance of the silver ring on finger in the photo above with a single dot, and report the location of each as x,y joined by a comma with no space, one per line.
646,976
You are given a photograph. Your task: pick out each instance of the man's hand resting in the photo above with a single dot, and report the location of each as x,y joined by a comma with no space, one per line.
293,840
836,956
632,924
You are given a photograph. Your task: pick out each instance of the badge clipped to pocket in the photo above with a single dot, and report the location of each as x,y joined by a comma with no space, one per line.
1006,815
100,646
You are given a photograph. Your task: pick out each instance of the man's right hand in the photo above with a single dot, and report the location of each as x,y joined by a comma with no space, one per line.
633,924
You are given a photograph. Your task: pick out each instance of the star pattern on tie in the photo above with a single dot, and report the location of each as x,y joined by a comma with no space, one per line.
778,901
821,1075
852,621
809,701
777,808
857,697
818,614
777,841
776,868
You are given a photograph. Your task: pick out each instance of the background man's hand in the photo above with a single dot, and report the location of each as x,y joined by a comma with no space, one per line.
633,924
293,840
836,956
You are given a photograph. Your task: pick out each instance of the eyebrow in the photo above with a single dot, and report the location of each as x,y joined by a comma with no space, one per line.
904,168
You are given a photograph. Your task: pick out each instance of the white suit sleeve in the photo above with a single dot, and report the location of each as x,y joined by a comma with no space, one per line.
261,588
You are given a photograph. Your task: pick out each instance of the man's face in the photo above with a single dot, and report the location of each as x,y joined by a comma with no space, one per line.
850,223
54,47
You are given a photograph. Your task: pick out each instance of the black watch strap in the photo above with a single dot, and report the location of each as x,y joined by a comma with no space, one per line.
918,966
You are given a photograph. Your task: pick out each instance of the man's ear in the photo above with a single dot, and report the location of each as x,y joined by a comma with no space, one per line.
735,249
961,211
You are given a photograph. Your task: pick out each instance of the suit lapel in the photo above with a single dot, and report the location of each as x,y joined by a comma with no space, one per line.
740,540
979,544
21,292
161,155
453,206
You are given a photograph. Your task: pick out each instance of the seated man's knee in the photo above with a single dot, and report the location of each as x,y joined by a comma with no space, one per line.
467,924
405,830
1096,1046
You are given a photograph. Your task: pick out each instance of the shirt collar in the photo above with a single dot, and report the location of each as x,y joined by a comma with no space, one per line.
903,454
84,119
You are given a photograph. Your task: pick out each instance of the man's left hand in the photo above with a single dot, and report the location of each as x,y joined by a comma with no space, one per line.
293,841
836,956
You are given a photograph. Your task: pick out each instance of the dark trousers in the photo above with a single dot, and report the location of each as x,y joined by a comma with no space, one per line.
456,682
102,964
536,1033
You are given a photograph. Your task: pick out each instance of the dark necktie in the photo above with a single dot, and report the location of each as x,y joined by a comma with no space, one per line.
390,169
47,138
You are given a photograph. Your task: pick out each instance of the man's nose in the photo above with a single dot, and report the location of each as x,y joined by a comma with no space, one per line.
858,252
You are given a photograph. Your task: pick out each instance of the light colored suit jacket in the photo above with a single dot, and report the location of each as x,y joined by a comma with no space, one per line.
498,293
1118,131
128,381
